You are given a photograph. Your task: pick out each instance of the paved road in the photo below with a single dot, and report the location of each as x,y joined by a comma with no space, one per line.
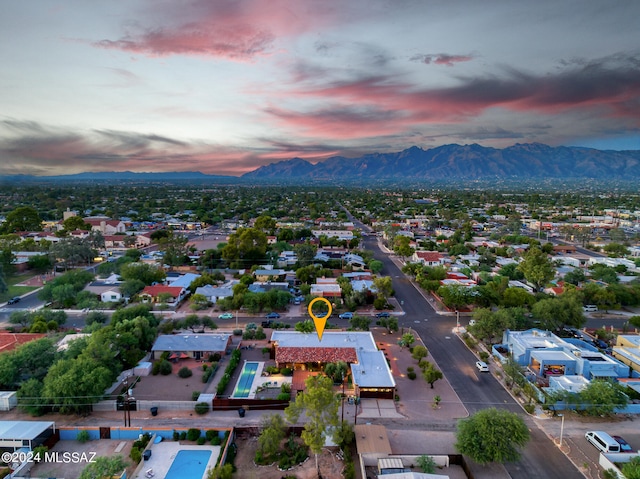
541,458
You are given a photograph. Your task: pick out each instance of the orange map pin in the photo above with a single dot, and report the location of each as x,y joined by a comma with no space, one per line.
320,322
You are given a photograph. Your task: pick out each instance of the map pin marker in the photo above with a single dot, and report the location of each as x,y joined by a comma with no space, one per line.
319,322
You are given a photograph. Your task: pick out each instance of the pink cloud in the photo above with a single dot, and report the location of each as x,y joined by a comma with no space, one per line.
238,30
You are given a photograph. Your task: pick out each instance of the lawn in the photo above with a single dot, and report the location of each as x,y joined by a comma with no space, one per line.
14,290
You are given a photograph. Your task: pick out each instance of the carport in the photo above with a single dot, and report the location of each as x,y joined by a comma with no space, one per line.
16,435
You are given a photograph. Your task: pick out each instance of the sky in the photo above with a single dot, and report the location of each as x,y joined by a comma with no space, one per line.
225,86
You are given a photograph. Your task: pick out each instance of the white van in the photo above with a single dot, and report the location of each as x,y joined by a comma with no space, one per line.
590,308
602,441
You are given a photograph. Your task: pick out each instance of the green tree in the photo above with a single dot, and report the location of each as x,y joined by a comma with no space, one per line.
360,322
23,218
537,267
147,273
401,246
631,469
602,397
419,352
431,374
554,313
104,466
337,371
40,263
320,406
272,433
407,340
75,223
492,435
247,246
306,326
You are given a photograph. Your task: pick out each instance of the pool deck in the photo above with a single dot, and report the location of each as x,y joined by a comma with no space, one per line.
252,390
260,380
163,454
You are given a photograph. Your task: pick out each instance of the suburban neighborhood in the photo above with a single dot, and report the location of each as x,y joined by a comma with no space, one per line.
195,329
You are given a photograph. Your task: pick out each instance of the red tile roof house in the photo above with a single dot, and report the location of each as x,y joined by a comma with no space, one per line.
428,258
10,341
151,293
369,368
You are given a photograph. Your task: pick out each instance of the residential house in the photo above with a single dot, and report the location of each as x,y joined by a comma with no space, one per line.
627,351
186,346
10,341
370,371
269,274
545,354
428,258
105,225
326,287
214,293
152,293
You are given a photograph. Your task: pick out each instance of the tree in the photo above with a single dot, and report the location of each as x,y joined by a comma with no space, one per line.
104,467
631,469
360,322
273,432
24,218
537,267
40,263
375,266
492,435
602,397
336,371
554,313
147,273
456,296
426,464
431,374
401,246
320,406
306,326
407,340
75,223
419,352
247,246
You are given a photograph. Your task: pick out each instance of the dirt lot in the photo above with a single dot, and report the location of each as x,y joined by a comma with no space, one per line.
73,467
172,387
330,465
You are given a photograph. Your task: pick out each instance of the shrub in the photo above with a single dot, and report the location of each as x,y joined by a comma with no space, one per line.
183,435
200,441
215,357
195,395
165,367
202,408
237,332
155,369
210,434
135,455
193,434
176,436
272,369
286,372
530,408
285,387
283,396
411,375
185,372
410,369
207,374
484,356
216,441
83,436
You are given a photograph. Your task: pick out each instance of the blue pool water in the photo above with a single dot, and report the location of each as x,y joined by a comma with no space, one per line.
246,380
189,464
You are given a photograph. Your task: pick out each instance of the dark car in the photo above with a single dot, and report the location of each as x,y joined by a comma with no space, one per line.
624,445
272,316
384,314
268,323
14,300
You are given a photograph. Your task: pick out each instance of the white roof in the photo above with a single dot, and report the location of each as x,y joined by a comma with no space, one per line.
372,370
23,430
360,340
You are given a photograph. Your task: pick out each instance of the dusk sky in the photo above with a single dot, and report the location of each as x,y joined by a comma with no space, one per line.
223,87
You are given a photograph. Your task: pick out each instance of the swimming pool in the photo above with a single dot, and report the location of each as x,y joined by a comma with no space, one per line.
189,464
243,387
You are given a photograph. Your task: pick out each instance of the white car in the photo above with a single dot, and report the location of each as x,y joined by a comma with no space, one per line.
482,366
590,308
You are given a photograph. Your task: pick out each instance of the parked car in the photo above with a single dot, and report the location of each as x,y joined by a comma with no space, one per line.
347,315
267,324
624,445
225,316
14,300
482,366
384,314
272,315
590,308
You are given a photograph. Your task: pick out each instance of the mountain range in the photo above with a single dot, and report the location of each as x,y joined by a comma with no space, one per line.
525,161
529,161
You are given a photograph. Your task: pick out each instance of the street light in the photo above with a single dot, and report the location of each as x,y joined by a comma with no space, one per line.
561,429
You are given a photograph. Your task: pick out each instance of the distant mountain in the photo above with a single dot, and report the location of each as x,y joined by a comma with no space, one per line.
127,176
524,161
